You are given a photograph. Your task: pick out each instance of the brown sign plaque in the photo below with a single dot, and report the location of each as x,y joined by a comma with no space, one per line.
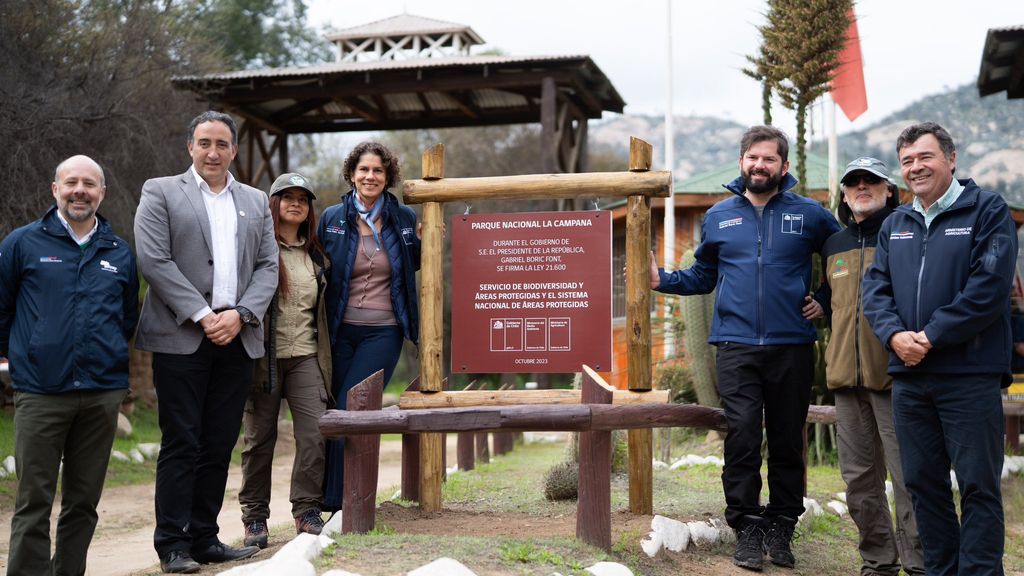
531,292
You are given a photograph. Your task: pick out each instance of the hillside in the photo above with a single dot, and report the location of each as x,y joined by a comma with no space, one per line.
989,133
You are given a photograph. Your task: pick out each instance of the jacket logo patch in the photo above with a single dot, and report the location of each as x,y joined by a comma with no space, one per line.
792,223
841,269
965,231
107,266
728,223
334,229
50,259
407,235
901,236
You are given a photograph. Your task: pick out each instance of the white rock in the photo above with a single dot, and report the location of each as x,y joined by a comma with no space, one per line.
609,569
651,545
332,526
10,464
136,456
725,533
442,567
451,471
124,427
659,465
674,534
703,534
397,495
149,449
811,509
120,456
3,473
273,567
838,507
542,437
304,547
841,496
339,573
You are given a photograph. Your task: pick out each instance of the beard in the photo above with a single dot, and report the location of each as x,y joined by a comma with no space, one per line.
770,183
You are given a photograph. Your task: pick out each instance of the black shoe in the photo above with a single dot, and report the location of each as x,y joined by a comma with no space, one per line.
309,522
777,540
749,542
221,552
178,562
256,534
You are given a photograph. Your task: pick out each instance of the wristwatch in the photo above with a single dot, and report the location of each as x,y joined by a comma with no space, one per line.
248,318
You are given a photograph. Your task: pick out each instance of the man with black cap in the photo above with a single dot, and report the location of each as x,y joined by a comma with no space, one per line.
857,374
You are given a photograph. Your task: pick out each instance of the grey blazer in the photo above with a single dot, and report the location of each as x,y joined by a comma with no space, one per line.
172,240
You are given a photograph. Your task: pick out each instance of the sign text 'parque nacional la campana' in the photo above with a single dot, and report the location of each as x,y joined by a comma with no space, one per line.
531,292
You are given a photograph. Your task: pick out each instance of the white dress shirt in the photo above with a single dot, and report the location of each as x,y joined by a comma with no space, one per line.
220,209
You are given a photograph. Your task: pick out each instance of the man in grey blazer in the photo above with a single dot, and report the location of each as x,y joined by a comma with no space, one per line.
206,247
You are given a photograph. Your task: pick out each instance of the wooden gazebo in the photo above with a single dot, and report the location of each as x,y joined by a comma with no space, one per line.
409,72
1002,63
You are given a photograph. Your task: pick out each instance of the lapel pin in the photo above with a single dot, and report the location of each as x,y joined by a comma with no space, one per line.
241,213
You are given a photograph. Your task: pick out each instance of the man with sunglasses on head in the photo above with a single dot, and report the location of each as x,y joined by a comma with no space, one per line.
856,373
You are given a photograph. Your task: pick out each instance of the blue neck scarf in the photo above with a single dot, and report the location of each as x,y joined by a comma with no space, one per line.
370,216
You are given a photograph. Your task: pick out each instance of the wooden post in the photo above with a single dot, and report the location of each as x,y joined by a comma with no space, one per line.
638,328
411,458
431,309
464,443
502,440
362,460
593,509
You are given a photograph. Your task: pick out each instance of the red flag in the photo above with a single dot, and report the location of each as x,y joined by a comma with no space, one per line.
847,86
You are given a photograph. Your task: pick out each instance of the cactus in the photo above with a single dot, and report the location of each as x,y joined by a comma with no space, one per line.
561,481
698,312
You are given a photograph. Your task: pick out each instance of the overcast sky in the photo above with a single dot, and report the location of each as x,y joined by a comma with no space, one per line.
911,48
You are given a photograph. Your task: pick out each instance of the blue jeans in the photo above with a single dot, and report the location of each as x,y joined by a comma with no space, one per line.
953,419
358,352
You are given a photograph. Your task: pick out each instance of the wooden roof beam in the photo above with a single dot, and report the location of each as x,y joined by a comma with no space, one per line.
464,101
360,108
345,86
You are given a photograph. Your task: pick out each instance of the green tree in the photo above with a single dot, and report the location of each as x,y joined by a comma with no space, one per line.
259,33
799,55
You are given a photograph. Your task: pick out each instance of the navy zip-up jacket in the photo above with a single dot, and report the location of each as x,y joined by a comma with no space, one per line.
761,268
338,232
951,280
66,313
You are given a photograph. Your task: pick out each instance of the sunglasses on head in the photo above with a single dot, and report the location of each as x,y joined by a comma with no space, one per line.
867,178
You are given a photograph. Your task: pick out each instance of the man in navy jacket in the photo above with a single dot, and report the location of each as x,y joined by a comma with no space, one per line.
756,250
69,298
938,296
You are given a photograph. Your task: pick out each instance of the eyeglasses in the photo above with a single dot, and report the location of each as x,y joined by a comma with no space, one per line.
856,179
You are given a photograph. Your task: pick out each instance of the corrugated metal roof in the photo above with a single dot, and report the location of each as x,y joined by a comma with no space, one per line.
333,68
1001,62
402,25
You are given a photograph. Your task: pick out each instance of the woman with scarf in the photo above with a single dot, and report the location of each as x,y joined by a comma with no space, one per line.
374,247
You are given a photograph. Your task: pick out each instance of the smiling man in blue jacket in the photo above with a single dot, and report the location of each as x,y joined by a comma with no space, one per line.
69,298
756,249
938,295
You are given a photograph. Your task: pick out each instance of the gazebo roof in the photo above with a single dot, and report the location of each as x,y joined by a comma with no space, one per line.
1002,62
402,25
406,94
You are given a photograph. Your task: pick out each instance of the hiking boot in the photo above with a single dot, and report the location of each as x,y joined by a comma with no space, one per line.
749,544
256,533
777,540
309,522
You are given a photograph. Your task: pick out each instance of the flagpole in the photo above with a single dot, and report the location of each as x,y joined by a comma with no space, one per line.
833,155
669,222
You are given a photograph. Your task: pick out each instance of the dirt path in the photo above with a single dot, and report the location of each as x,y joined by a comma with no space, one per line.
123,542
